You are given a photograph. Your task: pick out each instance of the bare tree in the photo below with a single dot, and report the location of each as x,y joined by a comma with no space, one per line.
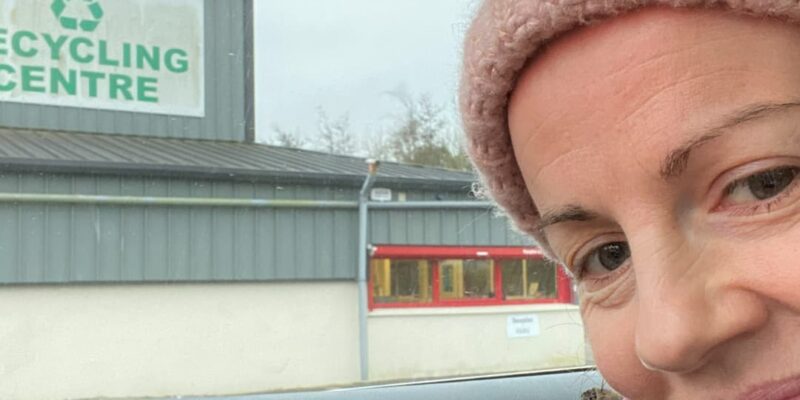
335,136
377,146
423,136
286,138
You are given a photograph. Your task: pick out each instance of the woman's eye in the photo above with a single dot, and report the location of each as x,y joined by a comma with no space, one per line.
760,186
606,258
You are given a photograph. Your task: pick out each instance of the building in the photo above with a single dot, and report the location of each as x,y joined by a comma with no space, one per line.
151,248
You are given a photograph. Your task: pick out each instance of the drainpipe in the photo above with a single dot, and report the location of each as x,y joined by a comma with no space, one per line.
363,215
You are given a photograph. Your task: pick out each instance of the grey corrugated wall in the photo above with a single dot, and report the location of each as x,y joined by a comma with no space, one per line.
60,243
442,227
224,82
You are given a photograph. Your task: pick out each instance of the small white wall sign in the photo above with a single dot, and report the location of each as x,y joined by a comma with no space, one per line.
380,194
522,325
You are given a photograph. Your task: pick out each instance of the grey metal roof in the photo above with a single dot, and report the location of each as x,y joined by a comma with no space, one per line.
93,153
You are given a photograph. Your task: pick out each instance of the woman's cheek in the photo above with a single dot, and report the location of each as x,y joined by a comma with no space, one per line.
611,334
764,260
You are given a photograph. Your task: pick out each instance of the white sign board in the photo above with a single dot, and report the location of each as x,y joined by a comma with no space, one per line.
381,194
523,325
126,55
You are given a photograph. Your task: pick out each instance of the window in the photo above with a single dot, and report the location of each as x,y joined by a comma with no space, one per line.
466,279
529,279
407,276
401,281
478,282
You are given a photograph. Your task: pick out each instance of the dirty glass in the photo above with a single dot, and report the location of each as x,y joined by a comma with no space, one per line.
399,281
478,279
529,279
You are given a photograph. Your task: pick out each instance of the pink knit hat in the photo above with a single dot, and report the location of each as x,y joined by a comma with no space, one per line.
504,35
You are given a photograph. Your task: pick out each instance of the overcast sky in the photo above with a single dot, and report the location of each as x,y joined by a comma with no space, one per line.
344,55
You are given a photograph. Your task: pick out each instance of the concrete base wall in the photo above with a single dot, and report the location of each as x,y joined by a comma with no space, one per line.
133,341
163,340
426,343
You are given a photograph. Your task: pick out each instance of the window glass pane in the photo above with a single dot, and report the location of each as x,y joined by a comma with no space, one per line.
541,279
514,279
529,279
466,279
401,281
478,279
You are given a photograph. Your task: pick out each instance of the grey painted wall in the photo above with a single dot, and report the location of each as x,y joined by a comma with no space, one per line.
224,119
59,243
442,227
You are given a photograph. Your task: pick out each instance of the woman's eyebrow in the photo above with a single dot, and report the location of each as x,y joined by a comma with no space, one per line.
676,160
566,213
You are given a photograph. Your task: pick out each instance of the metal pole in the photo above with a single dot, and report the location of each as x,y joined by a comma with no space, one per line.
169,201
428,204
363,215
228,202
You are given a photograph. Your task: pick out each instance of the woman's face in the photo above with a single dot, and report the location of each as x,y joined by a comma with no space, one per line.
662,150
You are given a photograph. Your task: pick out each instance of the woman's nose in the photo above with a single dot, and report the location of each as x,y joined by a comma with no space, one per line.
690,310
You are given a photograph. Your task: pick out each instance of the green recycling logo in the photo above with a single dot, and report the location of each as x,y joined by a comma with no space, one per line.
78,14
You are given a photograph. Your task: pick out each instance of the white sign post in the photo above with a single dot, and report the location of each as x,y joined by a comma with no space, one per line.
125,55
523,325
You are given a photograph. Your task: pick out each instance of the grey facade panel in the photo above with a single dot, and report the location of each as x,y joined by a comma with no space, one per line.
57,243
224,93
442,227
67,243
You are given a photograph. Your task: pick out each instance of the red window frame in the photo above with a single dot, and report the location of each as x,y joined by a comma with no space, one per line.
438,253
